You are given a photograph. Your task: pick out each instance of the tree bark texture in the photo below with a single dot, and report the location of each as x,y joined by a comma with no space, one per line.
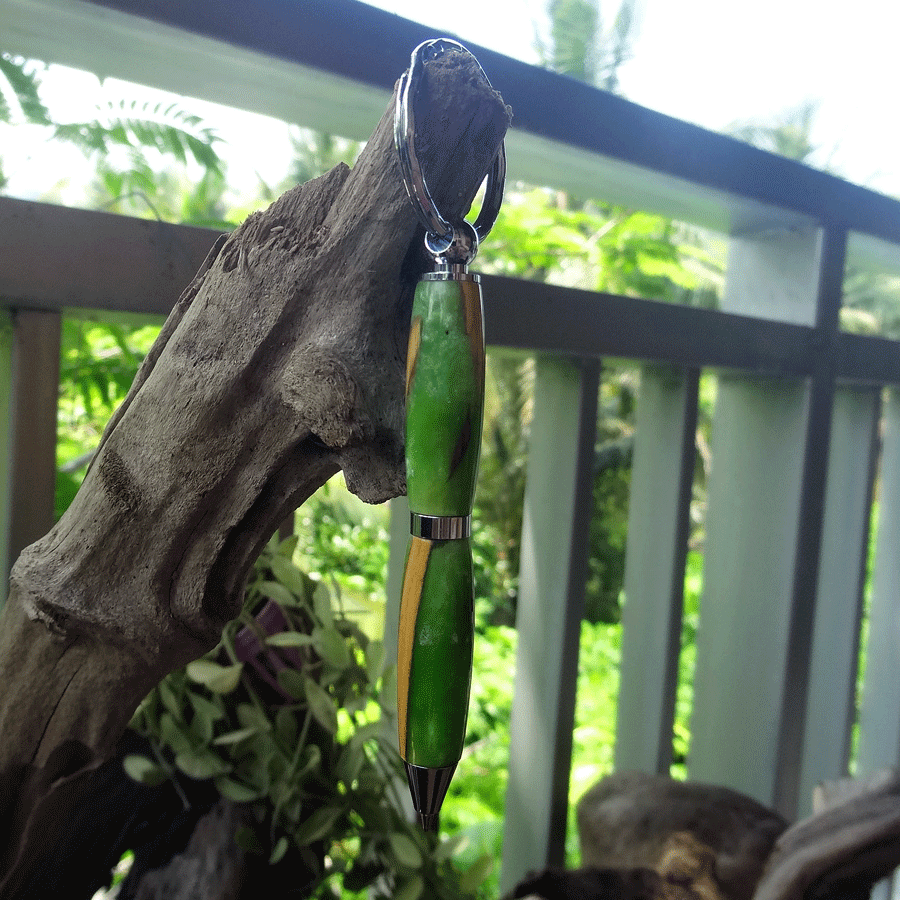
281,363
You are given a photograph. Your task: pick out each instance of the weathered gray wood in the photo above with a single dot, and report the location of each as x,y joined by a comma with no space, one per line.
5,446
548,620
661,478
53,257
632,819
839,854
282,362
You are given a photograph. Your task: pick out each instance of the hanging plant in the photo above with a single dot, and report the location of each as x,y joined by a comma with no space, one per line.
284,717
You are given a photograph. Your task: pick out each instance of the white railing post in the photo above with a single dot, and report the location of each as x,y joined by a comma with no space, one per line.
879,717
831,708
558,506
658,510
758,448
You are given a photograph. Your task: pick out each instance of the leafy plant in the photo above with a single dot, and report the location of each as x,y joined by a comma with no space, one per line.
285,718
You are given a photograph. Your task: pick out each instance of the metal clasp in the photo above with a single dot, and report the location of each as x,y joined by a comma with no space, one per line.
451,243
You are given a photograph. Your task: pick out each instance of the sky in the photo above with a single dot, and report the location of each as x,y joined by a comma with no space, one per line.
714,62
711,62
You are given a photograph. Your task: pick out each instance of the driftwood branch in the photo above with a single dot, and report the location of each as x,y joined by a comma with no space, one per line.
838,854
648,837
281,363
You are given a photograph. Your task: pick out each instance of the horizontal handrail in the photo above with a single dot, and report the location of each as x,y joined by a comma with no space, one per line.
56,258
330,64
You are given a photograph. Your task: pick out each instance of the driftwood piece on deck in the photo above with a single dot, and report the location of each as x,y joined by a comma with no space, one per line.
282,362
837,854
711,839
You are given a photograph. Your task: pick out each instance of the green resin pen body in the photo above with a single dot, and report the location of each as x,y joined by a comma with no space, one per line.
444,411
445,402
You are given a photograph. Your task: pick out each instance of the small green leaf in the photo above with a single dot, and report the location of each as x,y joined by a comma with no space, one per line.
332,647
322,604
290,576
349,763
251,716
169,699
293,682
237,791
369,731
286,727
318,825
278,851
235,737
201,764
143,770
287,547
248,840
405,850
312,760
321,705
277,592
207,708
174,735
476,873
289,639
412,890
217,678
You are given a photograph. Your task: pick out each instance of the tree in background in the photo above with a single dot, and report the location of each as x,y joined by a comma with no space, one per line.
871,298
546,235
579,46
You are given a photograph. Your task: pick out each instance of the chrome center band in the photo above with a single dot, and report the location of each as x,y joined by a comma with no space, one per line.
452,273
440,528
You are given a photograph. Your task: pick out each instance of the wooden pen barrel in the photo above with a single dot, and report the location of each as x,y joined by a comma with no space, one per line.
444,411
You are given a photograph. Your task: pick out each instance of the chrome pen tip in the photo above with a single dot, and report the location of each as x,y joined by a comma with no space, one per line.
428,787
429,821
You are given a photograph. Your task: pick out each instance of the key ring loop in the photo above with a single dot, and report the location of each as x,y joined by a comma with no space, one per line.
441,233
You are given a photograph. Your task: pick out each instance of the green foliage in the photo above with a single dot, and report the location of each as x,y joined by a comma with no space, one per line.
344,542
579,46
19,92
139,148
98,362
162,127
314,767
20,100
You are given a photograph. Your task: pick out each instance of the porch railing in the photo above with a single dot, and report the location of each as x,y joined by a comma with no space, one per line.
805,415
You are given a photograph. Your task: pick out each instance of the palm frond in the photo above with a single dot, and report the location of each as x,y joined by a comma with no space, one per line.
144,126
19,83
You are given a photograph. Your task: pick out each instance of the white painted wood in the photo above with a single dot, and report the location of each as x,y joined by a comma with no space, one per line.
751,528
111,43
879,718
758,441
774,275
832,686
560,459
651,616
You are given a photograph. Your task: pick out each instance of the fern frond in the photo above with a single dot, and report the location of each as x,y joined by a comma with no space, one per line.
142,126
18,83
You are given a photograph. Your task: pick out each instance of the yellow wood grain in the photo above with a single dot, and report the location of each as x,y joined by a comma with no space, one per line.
413,579
471,293
412,352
